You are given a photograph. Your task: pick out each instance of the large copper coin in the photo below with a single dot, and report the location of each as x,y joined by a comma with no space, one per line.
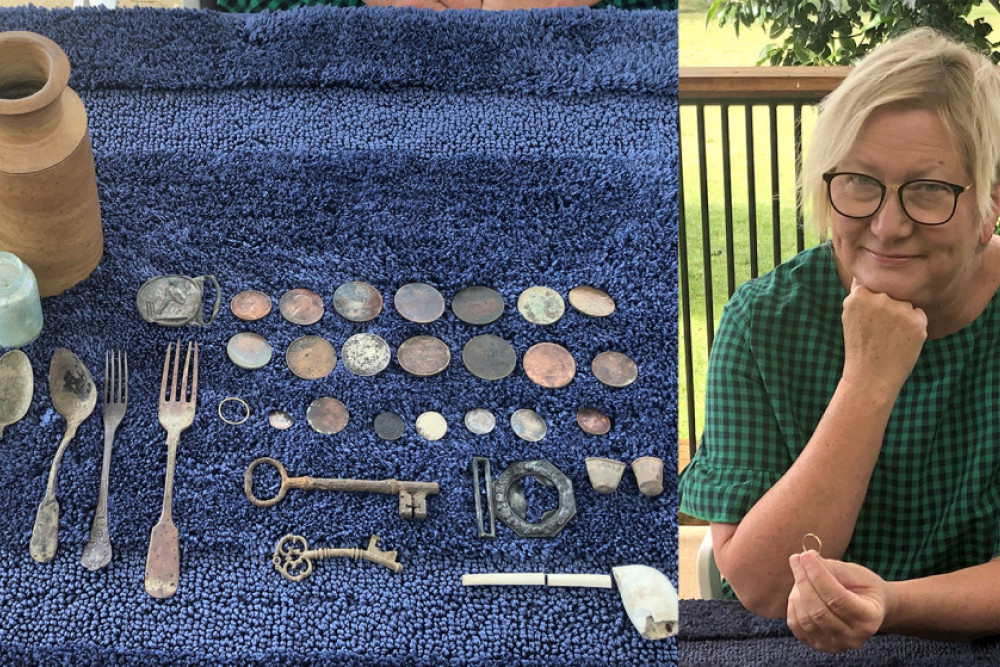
591,301
250,305
614,369
593,421
477,305
480,421
549,365
432,426
311,357
327,415
301,306
541,305
357,301
528,425
365,354
423,356
419,302
489,357
249,350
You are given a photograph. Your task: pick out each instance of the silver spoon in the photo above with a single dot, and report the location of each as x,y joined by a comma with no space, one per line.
17,384
74,397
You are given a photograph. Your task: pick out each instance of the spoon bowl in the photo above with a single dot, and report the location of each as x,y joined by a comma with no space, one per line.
17,384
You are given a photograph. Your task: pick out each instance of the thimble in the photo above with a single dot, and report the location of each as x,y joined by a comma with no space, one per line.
604,473
649,474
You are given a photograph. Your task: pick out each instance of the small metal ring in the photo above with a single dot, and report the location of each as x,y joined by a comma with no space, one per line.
246,408
814,536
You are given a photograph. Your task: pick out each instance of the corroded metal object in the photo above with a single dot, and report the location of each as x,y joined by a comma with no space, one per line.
605,474
412,495
649,475
250,305
17,386
489,357
528,425
481,470
389,426
508,498
249,350
423,356
549,365
614,369
311,357
477,305
357,301
541,305
419,302
301,306
591,301
293,558
365,354
175,301
593,421
327,415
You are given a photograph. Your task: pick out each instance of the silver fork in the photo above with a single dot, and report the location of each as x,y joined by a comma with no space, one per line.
97,553
163,560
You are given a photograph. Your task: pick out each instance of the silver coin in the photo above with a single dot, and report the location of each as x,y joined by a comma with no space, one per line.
480,421
432,426
528,425
249,350
541,305
279,419
365,354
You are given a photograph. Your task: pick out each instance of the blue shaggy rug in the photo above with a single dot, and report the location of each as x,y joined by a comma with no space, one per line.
311,148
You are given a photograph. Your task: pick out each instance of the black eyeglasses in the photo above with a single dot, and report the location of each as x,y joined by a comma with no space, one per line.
925,201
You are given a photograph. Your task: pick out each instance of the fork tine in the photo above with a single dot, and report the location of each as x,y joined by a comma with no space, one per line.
177,363
194,378
106,389
125,359
184,380
166,369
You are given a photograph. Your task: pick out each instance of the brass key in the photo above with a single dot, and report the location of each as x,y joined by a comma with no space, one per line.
293,558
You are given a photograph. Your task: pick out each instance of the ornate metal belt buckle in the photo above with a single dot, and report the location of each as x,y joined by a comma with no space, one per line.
175,301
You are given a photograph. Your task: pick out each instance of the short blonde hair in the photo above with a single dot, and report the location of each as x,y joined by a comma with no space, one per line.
920,69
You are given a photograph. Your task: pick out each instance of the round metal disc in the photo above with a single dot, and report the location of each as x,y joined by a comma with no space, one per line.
357,301
477,305
279,419
432,426
250,305
593,421
489,357
423,356
480,421
541,305
301,306
311,357
419,302
549,365
327,415
389,426
365,354
614,369
528,425
591,301
249,350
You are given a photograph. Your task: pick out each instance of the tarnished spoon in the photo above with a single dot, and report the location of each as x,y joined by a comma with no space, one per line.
74,397
16,387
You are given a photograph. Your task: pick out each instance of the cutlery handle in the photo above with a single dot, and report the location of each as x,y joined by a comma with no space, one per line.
163,561
45,534
97,553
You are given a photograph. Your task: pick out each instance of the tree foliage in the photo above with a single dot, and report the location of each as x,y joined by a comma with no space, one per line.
839,32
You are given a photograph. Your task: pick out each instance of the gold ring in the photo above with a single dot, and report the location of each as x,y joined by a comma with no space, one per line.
246,408
819,542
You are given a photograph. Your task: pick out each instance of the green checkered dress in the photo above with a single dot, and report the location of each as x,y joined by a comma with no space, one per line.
275,5
933,503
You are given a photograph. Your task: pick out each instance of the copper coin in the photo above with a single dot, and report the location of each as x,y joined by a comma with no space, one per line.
549,365
250,305
480,421
489,357
432,426
423,356
593,421
357,301
528,425
249,350
591,301
389,426
311,357
419,302
365,354
279,419
541,305
301,306
327,415
614,369
477,305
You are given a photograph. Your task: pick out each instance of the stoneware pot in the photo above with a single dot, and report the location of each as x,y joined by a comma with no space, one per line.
49,213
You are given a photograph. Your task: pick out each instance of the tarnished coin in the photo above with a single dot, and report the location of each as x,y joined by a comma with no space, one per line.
279,419
327,415
249,350
311,357
423,355
480,421
419,302
489,357
528,425
389,426
614,369
549,365
591,301
593,421
477,305
541,305
357,301
432,426
301,306
250,305
365,354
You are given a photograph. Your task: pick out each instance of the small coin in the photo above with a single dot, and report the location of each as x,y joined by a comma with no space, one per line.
365,354
528,425
311,357
549,365
593,421
419,302
423,356
432,426
489,357
249,350
389,426
301,306
327,415
591,301
279,419
250,305
614,369
541,305
477,305
480,421
357,301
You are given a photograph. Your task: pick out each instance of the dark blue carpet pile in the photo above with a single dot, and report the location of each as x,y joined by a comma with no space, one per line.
307,149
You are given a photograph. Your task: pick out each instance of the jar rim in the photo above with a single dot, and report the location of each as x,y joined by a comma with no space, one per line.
55,61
